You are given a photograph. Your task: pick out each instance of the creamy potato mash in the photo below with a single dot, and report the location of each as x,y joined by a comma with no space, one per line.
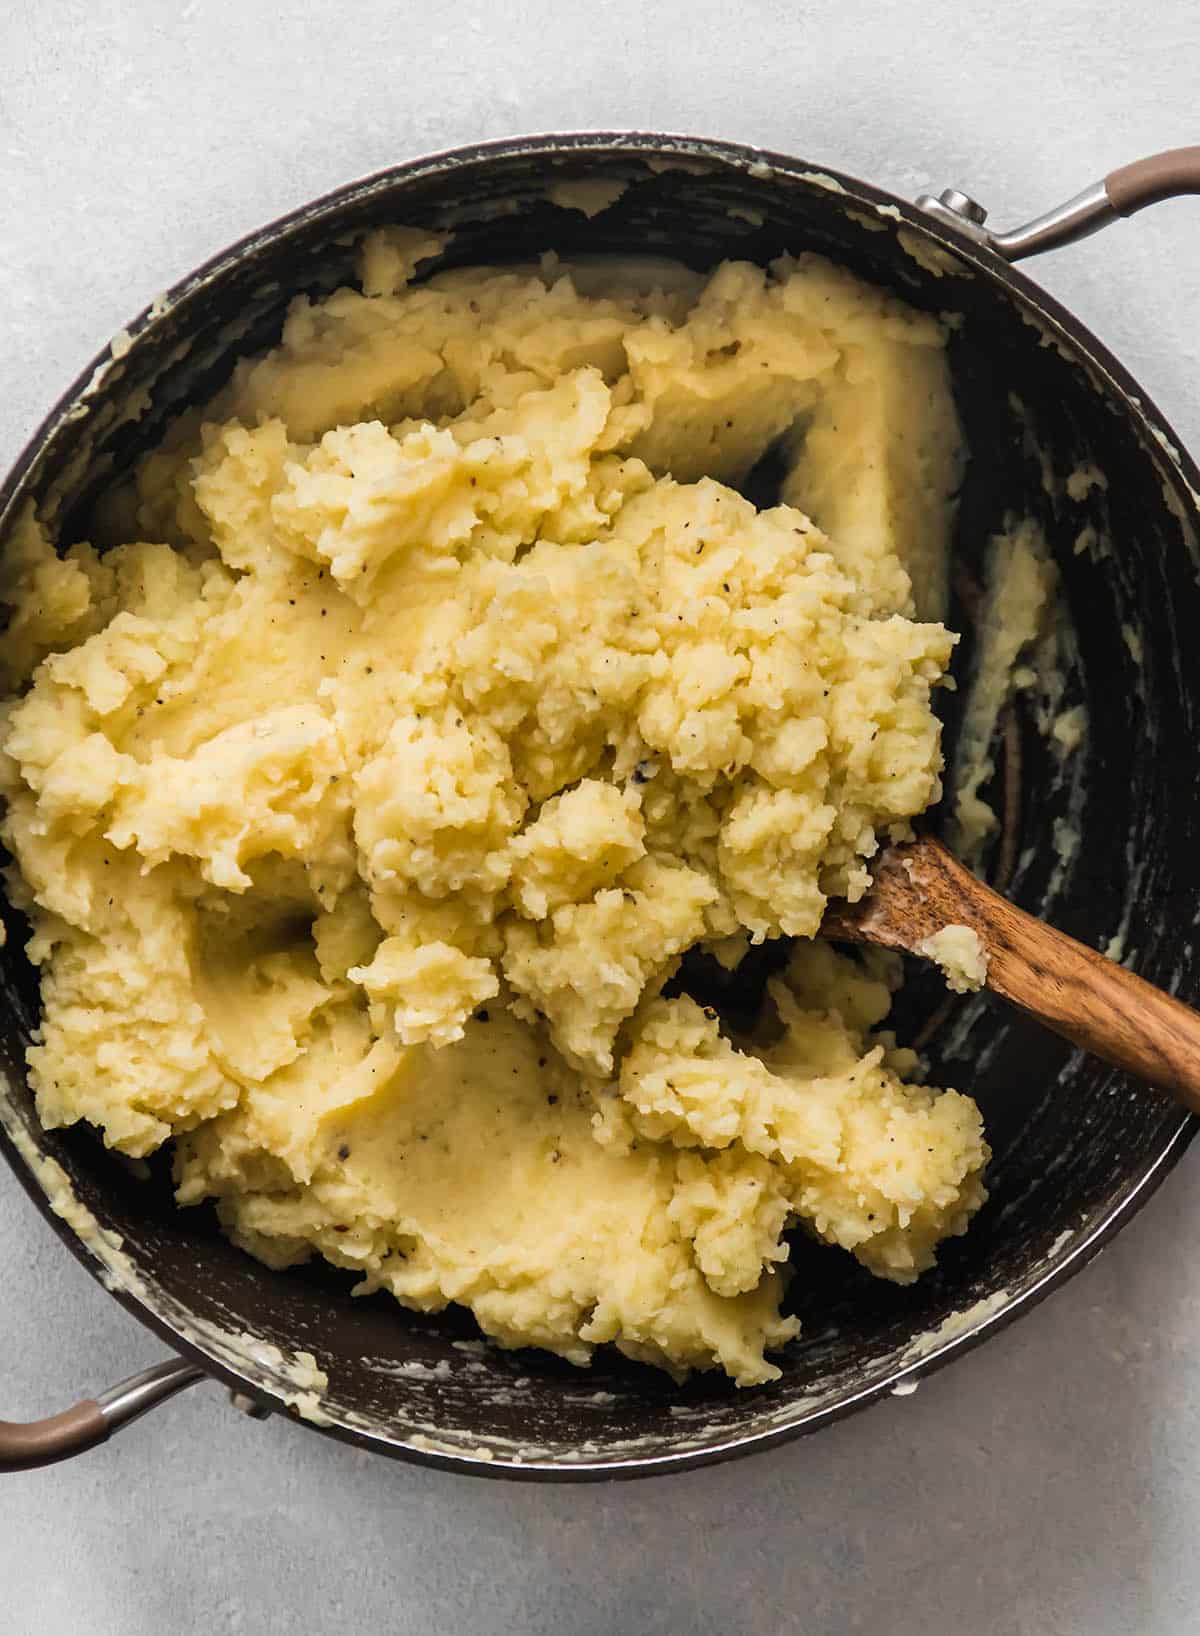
444,693
960,953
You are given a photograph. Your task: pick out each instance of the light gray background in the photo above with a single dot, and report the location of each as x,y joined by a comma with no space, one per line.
1049,1483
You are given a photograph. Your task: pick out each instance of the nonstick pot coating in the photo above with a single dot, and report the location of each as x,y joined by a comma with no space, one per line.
1077,1146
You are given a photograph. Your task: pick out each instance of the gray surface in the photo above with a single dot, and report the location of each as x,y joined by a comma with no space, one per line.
1046,1484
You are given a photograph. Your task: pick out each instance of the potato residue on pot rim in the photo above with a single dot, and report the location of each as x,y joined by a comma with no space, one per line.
443,693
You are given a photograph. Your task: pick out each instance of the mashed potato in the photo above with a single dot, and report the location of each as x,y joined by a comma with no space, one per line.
960,953
444,694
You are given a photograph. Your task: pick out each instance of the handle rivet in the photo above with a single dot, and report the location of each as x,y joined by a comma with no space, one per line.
963,205
249,1405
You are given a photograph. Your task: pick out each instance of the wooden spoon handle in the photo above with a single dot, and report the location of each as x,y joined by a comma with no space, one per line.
1090,1000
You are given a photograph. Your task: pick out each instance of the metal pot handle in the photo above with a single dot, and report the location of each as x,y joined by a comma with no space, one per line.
1121,193
24,1445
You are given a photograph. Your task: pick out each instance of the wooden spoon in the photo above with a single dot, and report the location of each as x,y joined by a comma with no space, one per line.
920,888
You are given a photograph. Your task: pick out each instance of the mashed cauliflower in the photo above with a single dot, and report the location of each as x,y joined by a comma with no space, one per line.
442,694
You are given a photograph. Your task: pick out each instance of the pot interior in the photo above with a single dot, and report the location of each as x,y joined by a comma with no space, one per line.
1076,1145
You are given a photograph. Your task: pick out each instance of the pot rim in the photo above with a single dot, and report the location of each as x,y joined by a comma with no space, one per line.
1176,467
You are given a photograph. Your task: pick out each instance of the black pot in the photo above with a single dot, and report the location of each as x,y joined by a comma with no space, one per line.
1077,1146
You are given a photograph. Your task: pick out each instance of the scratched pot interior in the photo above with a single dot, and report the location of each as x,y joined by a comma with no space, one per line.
1075,1144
